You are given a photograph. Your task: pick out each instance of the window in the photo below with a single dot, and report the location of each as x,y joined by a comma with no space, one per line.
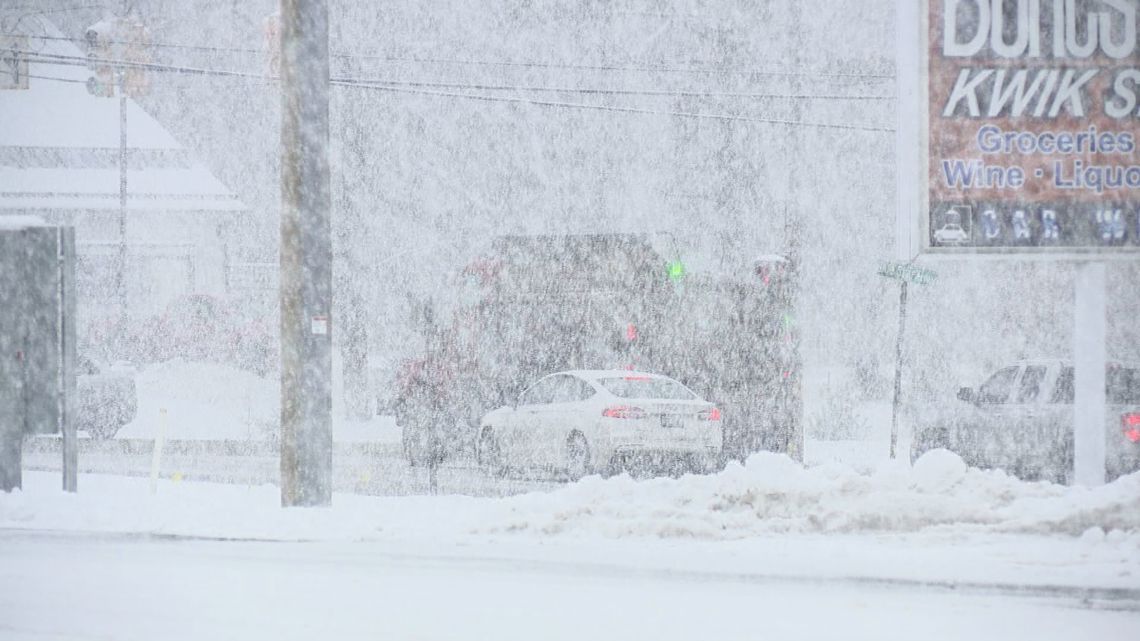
642,387
1122,386
572,389
998,388
1030,385
540,393
1063,392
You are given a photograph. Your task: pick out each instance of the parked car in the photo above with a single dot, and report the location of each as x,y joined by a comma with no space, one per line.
1021,420
609,420
106,398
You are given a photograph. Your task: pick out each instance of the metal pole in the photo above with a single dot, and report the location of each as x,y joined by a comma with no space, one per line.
306,257
121,259
1089,376
69,448
898,369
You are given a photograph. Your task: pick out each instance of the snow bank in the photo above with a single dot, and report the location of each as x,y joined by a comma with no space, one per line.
212,401
204,401
769,517
771,494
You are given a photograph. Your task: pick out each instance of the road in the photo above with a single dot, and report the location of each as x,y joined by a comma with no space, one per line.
88,587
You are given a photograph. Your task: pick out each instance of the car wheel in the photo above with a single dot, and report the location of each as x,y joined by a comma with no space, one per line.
489,454
577,456
932,439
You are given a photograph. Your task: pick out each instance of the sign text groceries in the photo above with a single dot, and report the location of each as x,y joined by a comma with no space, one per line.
1044,92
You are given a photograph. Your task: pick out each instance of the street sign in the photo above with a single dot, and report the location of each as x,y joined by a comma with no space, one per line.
908,272
1026,116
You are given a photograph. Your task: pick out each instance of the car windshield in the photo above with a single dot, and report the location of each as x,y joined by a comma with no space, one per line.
646,387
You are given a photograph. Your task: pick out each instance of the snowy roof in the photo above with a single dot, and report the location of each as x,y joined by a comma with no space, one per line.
20,222
60,146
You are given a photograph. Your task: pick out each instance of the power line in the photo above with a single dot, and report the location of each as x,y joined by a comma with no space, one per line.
641,68
712,70
633,110
493,87
619,92
160,45
352,82
29,75
83,61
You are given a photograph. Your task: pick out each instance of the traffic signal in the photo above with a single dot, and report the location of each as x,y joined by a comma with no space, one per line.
116,50
770,270
99,38
676,270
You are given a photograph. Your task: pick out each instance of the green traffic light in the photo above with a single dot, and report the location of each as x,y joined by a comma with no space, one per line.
676,270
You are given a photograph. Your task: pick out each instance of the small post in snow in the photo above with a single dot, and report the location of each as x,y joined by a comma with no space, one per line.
156,455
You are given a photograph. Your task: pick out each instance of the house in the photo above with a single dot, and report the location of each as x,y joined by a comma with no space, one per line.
60,160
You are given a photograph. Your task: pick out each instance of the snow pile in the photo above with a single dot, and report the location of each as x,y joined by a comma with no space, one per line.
203,401
768,496
212,401
771,494
115,504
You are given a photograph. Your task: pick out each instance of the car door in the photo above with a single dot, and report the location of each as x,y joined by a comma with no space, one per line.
565,414
1024,434
979,439
522,438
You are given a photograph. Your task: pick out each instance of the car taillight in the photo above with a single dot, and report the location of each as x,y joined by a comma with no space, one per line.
1130,423
623,411
711,414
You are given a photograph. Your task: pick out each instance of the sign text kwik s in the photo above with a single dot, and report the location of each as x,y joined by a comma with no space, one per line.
1032,114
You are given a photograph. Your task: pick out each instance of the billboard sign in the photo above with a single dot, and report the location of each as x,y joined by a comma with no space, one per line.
1030,126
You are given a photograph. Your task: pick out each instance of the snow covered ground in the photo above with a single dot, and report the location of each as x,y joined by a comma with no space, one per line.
210,401
767,549
90,587
853,546
939,503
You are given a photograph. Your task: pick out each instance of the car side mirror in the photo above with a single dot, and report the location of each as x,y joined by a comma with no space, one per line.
966,394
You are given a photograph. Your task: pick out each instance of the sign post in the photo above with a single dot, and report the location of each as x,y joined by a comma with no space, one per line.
904,273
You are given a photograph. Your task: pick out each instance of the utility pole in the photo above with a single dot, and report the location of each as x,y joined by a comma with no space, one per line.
121,258
793,407
306,257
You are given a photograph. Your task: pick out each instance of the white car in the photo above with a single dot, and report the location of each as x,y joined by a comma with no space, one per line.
951,234
601,420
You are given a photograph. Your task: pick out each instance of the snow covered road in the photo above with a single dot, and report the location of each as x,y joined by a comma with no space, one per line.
767,549
125,587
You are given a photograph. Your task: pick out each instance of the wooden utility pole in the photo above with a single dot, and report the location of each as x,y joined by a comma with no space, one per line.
793,407
306,257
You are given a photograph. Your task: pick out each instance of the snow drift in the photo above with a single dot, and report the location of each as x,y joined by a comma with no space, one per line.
771,494
768,495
